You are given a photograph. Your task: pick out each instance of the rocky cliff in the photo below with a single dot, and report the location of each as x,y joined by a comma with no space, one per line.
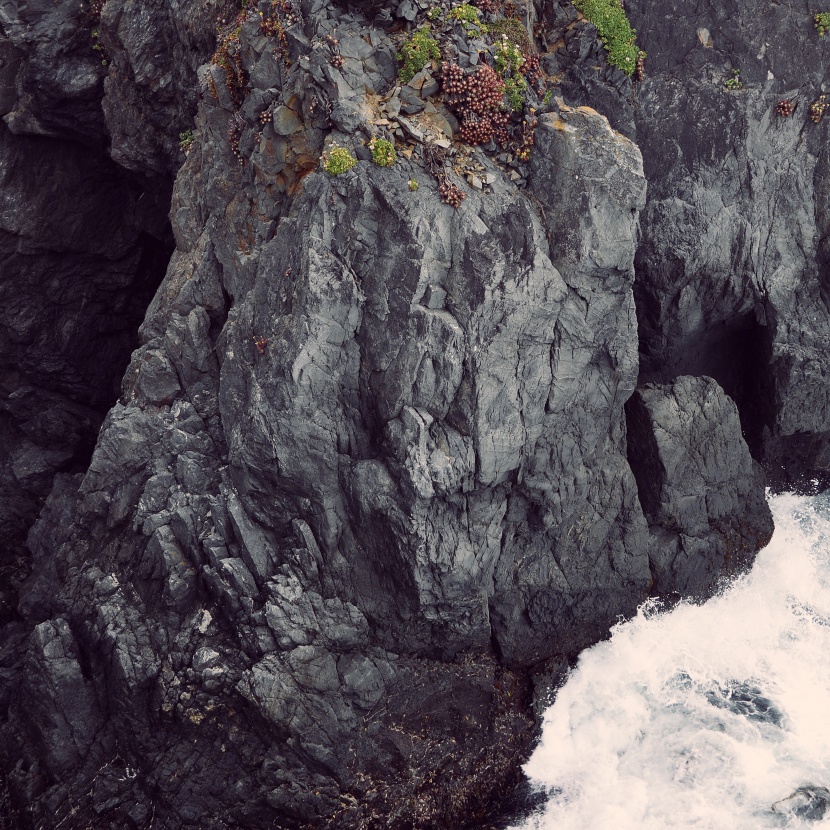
393,442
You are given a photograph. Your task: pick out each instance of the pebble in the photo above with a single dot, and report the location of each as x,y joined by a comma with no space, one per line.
407,10
411,130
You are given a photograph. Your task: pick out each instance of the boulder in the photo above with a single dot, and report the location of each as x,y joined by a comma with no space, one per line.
701,492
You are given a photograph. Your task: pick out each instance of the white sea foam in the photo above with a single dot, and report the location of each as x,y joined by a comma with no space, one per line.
704,716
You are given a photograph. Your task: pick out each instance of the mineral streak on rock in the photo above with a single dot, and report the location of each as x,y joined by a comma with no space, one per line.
378,466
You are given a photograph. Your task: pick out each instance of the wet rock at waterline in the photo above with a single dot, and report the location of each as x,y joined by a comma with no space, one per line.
701,492
810,803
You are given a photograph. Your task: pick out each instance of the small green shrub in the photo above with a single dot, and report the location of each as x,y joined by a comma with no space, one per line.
614,30
508,57
185,140
822,21
337,160
383,152
469,17
508,62
514,89
416,52
733,83
514,30
413,185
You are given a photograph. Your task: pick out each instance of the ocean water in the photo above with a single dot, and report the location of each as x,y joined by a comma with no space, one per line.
706,715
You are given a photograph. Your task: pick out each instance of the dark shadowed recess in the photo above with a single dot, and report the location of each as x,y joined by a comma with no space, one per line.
735,352
84,245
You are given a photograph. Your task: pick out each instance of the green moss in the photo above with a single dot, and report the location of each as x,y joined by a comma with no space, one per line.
99,47
416,52
383,152
614,30
337,160
470,17
822,22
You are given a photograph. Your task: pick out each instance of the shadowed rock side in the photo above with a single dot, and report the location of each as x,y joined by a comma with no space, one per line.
84,243
107,73
732,267
83,248
366,483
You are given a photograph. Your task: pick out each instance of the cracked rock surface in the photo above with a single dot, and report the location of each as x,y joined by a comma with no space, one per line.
379,465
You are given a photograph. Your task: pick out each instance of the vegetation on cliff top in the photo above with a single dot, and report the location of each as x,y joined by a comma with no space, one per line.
614,30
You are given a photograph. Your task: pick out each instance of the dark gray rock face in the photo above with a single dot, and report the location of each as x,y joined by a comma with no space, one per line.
353,497
368,481
732,263
701,492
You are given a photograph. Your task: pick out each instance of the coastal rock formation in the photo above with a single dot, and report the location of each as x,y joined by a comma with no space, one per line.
702,494
378,467
732,276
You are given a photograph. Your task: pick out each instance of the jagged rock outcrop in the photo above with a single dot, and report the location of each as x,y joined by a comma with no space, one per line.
367,484
353,496
701,492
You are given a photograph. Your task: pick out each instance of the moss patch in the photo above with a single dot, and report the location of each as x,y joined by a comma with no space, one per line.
614,30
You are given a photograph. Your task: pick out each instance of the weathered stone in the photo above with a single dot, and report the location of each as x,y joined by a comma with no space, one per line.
810,803
701,492
285,121
411,102
58,702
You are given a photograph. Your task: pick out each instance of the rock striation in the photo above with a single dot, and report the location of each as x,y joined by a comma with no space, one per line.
380,463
